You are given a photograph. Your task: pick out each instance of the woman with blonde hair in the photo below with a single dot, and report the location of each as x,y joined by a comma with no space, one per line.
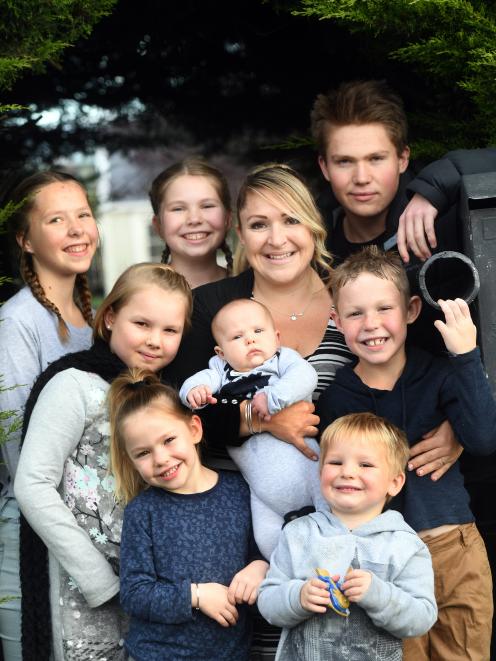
284,265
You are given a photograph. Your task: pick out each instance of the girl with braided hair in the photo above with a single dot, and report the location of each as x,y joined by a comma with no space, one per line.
56,233
192,214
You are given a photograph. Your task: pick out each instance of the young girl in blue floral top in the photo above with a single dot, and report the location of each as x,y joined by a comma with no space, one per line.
62,483
189,564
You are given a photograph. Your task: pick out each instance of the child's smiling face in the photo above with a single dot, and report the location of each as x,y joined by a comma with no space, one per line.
356,478
162,448
373,316
192,220
147,330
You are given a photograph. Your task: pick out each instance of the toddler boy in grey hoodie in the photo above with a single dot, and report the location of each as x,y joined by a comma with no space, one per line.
385,568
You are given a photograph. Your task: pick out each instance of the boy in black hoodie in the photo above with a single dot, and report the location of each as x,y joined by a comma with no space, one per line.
417,391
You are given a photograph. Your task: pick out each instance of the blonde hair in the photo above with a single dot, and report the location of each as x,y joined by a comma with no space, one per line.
132,391
134,279
23,199
279,184
372,430
384,265
196,166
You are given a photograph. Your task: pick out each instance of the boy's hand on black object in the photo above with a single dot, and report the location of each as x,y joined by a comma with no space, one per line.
415,225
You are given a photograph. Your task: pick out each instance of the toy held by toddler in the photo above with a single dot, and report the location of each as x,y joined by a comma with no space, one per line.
383,568
251,365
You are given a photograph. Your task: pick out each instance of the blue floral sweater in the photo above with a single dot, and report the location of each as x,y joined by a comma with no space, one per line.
170,541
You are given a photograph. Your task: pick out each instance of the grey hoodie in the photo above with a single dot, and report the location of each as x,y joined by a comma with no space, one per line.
399,603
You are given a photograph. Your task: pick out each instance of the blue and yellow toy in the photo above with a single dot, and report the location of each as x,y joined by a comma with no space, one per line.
337,600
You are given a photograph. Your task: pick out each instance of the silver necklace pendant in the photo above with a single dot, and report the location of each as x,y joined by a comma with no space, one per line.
295,316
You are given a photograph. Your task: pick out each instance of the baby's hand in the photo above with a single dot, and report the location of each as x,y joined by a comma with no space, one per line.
245,584
214,602
199,396
459,332
314,595
356,583
260,405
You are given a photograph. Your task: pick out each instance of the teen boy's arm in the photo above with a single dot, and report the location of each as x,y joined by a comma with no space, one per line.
435,190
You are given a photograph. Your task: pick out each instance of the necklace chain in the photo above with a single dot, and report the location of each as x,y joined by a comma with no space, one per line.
294,316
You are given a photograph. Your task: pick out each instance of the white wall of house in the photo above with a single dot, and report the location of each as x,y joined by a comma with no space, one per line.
126,237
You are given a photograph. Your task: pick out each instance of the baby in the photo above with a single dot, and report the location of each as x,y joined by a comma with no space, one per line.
251,365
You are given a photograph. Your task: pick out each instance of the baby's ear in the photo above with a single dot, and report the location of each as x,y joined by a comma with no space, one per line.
413,311
219,352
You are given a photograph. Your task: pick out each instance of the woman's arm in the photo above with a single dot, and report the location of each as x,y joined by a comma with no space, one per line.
55,428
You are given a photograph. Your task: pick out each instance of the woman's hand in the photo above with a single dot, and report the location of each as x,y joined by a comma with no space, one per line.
245,584
436,453
292,424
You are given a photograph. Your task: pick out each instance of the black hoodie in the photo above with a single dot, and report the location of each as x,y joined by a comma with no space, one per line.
431,389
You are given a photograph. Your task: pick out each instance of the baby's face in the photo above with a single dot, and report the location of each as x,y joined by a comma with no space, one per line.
246,336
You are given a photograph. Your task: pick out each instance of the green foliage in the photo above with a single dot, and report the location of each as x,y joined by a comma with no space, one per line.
451,42
33,33
6,212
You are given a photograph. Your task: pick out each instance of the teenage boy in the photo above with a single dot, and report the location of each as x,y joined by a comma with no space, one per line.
385,568
416,391
360,130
